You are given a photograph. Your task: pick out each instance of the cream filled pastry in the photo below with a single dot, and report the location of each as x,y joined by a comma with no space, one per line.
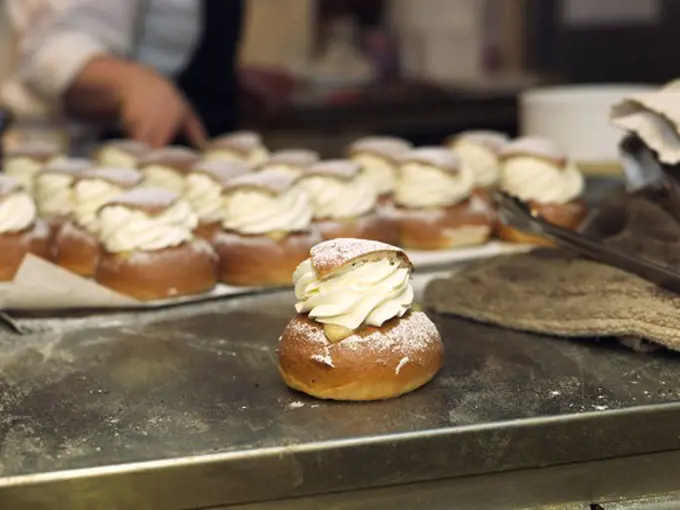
21,231
53,189
26,160
378,157
537,172
167,168
121,153
480,152
290,161
76,247
344,203
205,184
243,146
356,335
149,251
435,204
266,229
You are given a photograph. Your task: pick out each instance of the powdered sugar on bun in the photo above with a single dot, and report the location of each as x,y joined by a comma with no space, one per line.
337,168
151,200
179,159
437,157
271,182
36,150
388,147
125,178
332,255
541,148
494,141
239,141
67,166
221,171
292,157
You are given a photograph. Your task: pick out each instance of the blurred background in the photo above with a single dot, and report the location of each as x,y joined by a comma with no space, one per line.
423,69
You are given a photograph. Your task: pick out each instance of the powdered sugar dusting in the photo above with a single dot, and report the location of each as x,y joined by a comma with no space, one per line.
338,168
439,157
272,181
240,141
401,364
154,198
132,147
332,254
495,141
68,166
389,147
325,359
8,185
123,177
534,146
222,171
37,149
179,158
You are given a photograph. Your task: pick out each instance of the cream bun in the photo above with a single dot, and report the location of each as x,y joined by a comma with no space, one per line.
435,206
25,160
21,231
378,157
120,153
75,246
344,202
480,151
149,251
540,174
205,183
243,146
266,230
167,168
53,189
356,335
290,161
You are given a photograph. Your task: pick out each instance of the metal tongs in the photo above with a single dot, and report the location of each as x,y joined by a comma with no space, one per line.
517,214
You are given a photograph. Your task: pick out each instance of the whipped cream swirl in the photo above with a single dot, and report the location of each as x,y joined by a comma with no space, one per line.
161,176
205,196
253,158
380,172
481,160
126,229
337,199
424,186
90,195
366,293
23,169
533,179
116,157
54,194
254,212
17,212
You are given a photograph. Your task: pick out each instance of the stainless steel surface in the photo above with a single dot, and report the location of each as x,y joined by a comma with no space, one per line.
190,413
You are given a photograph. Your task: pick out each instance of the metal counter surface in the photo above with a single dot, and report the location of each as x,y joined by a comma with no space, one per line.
191,413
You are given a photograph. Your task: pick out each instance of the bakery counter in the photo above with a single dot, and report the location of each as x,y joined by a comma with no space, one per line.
189,413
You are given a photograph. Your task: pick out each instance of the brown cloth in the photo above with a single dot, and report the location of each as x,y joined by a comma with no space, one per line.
557,293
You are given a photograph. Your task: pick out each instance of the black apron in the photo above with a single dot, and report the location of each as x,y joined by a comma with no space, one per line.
209,80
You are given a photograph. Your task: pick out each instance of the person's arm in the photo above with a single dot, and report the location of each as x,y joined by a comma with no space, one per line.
73,54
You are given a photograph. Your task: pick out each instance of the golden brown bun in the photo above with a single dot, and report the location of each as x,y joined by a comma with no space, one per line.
14,247
372,364
208,231
569,216
466,224
179,271
374,226
261,261
76,249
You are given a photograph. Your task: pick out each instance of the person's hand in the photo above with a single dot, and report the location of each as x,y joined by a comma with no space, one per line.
152,110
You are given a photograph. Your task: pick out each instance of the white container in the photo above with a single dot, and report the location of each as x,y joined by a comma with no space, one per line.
577,118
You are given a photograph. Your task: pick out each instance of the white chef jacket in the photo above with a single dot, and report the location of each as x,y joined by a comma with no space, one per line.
54,39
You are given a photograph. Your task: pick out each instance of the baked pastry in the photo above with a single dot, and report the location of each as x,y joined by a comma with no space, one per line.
266,230
149,251
537,172
480,152
243,146
24,161
53,190
378,157
167,168
75,246
21,231
290,161
121,153
205,183
356,335
435,205
344,202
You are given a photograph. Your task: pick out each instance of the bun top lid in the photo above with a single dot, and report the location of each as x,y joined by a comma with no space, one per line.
337,254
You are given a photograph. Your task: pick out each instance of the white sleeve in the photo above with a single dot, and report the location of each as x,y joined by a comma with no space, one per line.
56,38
